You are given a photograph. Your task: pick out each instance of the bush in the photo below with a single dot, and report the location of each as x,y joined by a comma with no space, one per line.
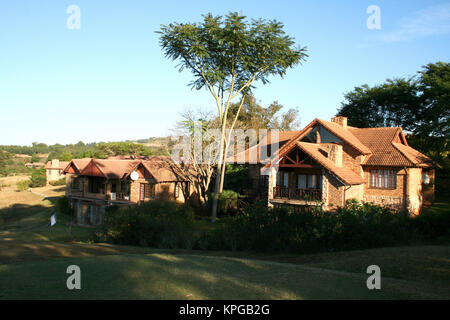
59,182
62,206
38,178
228,204
161,224
23,185
356,226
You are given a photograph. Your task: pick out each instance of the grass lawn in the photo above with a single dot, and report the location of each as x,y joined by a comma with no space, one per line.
34,259
170,276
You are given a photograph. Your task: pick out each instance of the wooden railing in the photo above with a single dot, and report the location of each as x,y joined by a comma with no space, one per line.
297,194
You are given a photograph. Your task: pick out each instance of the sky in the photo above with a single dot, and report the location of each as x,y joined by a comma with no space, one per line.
110,81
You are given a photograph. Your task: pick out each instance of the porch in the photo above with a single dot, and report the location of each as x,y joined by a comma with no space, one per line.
287,193
298,180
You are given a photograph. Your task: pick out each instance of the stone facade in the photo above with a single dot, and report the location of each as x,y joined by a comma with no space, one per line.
89,207
409,193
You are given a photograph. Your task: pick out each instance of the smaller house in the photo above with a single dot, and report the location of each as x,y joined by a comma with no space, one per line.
95,184
35,165
54,169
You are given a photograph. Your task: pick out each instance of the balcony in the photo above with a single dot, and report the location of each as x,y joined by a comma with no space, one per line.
297,194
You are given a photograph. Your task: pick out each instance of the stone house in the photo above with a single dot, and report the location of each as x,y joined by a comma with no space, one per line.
94,184
329,162
54,169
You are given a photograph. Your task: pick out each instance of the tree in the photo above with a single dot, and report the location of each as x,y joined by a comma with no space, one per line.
35,158
254,116
5,160
38,178
419,104
227,55
197,169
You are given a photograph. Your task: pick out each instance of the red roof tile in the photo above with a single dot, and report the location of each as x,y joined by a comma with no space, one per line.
316,152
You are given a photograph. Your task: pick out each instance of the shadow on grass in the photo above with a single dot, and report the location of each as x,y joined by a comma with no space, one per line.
19,212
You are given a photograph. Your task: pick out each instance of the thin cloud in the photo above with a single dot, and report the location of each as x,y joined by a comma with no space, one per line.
431,21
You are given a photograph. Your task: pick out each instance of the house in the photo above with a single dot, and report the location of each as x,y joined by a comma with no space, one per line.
94,184
54,169
330,162
35,165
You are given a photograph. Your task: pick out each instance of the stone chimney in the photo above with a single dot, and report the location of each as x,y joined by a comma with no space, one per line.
340,120
55,163
335,154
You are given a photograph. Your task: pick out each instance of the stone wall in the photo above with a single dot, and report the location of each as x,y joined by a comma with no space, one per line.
394,198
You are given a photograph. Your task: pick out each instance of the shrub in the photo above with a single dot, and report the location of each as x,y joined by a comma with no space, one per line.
59,182
63,206
23,185
356,226
38,178
228,203
259,228
162,224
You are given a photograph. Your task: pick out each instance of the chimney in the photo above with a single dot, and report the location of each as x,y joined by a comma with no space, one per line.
340,120
55,163
335,154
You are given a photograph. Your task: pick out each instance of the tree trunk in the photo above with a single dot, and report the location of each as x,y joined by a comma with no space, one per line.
220,165
216,194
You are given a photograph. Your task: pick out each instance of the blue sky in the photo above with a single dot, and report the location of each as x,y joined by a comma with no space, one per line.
110,81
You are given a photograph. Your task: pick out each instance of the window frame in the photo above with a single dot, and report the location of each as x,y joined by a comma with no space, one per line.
383,179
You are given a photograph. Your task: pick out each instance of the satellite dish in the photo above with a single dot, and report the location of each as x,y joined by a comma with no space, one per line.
426,179
134,176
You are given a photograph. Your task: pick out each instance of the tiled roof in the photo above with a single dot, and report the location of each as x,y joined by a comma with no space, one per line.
386,152
245,156
413,155
316,152
120,169
346,135
162,169
115,169
62,165
79,164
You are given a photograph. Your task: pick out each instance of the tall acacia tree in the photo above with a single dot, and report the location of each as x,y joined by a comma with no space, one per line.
227,55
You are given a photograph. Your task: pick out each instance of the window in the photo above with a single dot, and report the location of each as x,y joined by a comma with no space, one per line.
147,191
177,191
94,185
279,177
76,184
302,179
286,180
385,179
309,181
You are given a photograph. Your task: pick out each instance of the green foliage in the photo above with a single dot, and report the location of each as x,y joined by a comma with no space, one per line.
356,226
259,228
228,202
419,104
23,185
35,158
254,116
221,48
38,178
124,148
80,150
236,178
5,160
62,206
59,182
161,224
